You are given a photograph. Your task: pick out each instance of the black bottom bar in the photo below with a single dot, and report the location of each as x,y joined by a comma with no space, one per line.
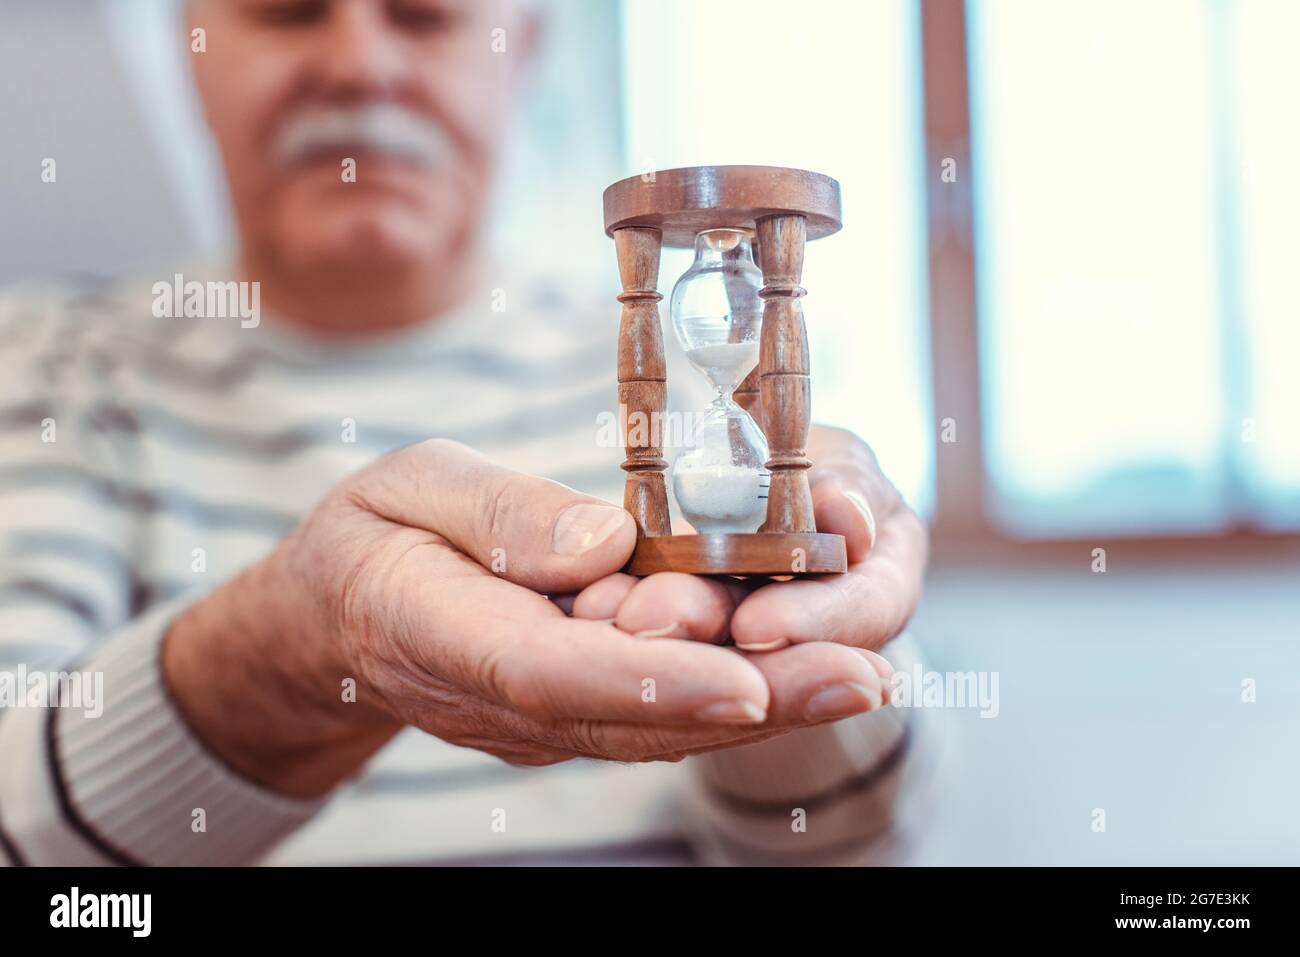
603,907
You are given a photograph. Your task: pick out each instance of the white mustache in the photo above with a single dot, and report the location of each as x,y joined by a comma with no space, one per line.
386,127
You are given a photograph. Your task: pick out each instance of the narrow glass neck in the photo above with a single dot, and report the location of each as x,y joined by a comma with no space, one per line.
722,245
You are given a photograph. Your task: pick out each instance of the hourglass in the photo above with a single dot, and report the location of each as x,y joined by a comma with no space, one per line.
743,483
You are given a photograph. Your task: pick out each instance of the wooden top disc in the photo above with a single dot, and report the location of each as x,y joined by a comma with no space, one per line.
682,202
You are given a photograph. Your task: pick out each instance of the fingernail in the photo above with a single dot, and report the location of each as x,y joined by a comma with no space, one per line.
840,701
764,645
879,662
865,509
732,712
581,528
670,630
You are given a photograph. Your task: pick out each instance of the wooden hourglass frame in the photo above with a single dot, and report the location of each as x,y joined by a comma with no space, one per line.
782,209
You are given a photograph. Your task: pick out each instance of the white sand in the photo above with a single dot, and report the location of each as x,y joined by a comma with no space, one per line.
725,363
721,498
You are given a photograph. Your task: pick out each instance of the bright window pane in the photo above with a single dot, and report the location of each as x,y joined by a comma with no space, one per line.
1266,82
698,92
1099,295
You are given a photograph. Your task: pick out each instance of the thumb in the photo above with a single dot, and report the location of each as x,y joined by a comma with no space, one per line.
532,531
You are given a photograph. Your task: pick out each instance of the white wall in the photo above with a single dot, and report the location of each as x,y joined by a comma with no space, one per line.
63,96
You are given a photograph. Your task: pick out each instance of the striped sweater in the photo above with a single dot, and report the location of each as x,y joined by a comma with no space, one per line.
144,461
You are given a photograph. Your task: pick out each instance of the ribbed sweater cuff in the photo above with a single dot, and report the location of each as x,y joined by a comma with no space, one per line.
838,782
139,785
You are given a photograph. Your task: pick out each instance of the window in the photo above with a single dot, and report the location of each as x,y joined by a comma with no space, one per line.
1131,240
1266,77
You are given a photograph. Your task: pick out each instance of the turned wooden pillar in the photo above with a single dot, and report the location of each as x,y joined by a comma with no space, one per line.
642,380
784,375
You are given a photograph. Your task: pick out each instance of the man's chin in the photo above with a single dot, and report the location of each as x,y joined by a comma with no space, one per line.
361,248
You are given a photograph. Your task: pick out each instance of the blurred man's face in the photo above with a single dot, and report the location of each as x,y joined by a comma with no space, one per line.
410,91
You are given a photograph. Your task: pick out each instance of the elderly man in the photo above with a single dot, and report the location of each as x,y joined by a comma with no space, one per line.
312,651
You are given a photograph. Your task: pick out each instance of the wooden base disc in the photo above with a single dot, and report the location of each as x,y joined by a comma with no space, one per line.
756,553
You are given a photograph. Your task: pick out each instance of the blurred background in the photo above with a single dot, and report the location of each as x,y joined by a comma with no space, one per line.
1062,310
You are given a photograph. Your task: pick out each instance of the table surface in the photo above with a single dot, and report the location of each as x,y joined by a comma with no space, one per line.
1120,691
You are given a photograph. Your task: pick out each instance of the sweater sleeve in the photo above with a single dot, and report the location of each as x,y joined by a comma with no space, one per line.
822,795
114,775
96,764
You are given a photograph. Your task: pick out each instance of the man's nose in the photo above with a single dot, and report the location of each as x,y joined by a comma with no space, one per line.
360,56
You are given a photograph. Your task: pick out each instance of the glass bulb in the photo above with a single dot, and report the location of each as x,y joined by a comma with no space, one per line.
719,483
